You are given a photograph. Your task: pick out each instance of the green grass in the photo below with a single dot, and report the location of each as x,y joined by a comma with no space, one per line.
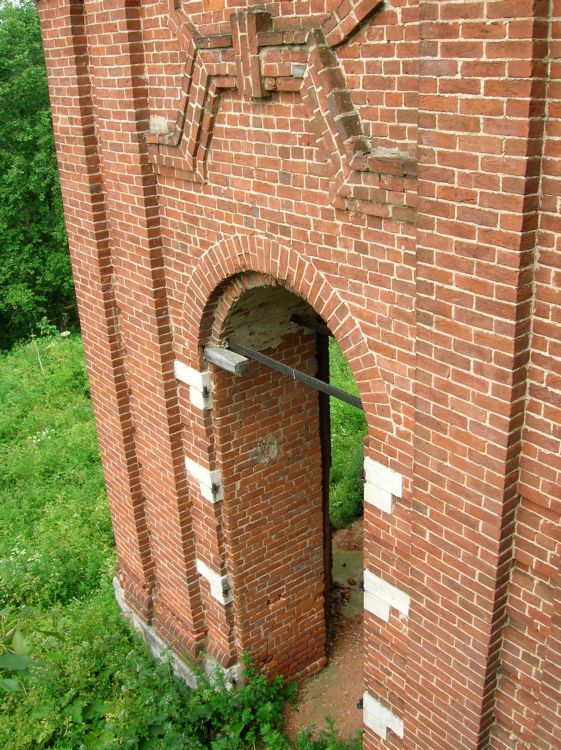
51,487
348,428
92,683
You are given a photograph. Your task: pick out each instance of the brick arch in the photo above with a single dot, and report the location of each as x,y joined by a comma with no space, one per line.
238,254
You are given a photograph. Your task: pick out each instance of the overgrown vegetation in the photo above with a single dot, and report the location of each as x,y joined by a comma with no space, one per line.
84,680
348,428
52,490
35,277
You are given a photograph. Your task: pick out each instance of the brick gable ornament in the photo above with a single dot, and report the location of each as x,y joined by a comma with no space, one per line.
258,60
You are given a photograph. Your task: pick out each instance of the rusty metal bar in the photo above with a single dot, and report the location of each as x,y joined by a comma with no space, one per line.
290,372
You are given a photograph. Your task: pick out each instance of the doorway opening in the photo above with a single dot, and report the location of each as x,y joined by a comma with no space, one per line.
291,460
336,690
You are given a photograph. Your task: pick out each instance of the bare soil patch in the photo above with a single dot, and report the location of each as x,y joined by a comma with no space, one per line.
336,690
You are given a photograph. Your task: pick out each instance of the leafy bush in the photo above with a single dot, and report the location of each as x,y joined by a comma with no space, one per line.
97,687
94,686
35,276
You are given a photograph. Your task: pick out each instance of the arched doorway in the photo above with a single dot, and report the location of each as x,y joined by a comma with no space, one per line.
273,450
225,271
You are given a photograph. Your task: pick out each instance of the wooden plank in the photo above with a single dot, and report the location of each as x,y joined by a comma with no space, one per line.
227,360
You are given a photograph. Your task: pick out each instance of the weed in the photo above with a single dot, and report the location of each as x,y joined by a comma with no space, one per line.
15,658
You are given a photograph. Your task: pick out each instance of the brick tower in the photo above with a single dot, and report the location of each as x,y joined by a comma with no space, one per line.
390,170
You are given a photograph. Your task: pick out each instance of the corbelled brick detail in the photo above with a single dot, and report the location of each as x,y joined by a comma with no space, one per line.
394,169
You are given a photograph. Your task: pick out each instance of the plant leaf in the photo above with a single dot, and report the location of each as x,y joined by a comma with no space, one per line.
14,662
8,685
96,709
20,646
74,710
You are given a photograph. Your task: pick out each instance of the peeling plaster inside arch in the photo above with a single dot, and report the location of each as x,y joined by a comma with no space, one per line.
261,318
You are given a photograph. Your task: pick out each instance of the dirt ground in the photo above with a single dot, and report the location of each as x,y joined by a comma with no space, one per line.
336,690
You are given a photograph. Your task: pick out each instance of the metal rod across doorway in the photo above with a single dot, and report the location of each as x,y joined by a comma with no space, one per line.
291,372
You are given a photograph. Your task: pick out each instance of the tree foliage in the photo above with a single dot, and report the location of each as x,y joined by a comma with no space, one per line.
35,276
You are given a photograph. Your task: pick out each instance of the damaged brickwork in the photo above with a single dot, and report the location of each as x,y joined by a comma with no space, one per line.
391,169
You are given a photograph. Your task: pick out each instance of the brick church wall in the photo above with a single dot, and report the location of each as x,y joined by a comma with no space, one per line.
395,166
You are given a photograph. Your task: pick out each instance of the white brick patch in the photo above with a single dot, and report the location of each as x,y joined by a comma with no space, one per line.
158,125
209,481
381,485
380,597
379,719
299,70
200,392
220,587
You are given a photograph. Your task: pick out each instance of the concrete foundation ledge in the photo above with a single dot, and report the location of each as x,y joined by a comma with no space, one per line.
159,649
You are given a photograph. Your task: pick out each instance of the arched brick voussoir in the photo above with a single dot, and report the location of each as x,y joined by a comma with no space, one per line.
260,254
347,18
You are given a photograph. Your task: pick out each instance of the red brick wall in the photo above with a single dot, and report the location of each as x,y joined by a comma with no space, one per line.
199,143
270,457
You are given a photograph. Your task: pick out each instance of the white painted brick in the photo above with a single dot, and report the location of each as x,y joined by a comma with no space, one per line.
380,498
206,479
379,596
377,606
381,485
200,392
158,125
383,477
220,587
379,719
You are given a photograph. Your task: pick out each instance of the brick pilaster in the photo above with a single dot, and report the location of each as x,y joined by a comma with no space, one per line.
119,97
67,57
478,182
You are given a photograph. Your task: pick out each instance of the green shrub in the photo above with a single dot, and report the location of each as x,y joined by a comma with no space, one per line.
95,686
